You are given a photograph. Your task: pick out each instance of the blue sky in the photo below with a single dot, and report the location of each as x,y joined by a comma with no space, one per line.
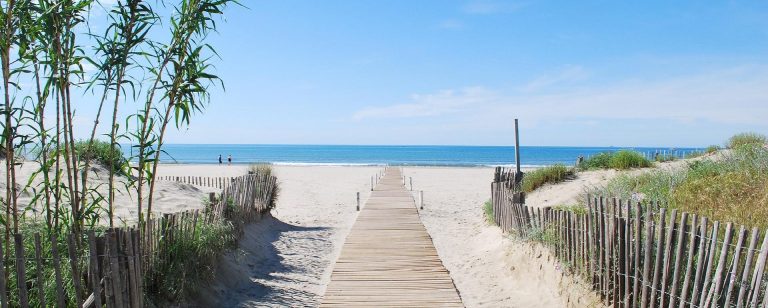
650,73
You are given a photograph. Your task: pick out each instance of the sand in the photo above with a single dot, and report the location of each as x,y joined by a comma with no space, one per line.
169,197
286,258
490,269
572,190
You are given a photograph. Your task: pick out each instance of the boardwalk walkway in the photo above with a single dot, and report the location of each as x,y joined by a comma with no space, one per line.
388,259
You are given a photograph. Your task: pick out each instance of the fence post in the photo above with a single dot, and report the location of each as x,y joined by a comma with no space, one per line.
358,201
410,179
371,183
421,199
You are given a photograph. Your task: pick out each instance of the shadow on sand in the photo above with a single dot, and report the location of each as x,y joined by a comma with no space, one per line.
276,264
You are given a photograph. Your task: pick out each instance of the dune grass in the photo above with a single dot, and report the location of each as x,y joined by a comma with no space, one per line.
623,159
748,138
175,281
731,189
266,169
550,174
488,210
103,153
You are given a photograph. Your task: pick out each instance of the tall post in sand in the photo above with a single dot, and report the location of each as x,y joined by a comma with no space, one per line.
410,179
358,201
371,183
517,148
518,197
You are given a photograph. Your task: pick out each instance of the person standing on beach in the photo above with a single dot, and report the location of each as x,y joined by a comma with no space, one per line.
229,159
220,159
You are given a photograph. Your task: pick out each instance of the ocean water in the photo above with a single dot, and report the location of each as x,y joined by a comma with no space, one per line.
383,155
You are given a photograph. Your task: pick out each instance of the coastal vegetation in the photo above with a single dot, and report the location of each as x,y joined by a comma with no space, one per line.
733,187
488,210
622,160
108,155
142,80
545,175
747,138
266,169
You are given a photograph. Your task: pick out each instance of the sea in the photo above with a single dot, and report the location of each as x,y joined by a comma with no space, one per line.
377,155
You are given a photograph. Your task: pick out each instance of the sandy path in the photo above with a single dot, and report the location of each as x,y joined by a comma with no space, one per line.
489,269
286,260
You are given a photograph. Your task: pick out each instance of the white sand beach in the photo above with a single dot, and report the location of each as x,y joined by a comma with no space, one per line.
287,259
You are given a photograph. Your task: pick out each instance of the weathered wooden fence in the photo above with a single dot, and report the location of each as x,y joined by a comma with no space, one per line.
646,255
90,270
219,182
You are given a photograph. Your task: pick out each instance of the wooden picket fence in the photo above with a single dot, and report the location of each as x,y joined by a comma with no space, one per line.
219,182
90,270
645,254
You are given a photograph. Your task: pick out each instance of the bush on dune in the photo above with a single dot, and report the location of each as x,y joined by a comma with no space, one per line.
731,189
266,169
742,139
488,209
103,153
623,159
550,174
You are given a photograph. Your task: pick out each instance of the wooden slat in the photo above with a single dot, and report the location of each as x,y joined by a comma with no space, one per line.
388,258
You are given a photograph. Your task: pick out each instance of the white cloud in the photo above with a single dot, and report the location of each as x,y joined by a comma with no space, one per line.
442,102
569,74
730,96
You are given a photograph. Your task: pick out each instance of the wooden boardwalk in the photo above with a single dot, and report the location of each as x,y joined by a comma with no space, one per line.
388,259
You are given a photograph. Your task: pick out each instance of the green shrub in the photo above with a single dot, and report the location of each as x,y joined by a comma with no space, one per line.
598,161
550,174
623,159
266,169
260,169
187,262
662,158
712,149
731,189
488,209
103,153
626,159
745,139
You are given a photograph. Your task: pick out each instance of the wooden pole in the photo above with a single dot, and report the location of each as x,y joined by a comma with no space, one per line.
421,199
358,201
517,148
410,179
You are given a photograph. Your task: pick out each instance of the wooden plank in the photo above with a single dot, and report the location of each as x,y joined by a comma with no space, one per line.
57,271
700,261
689,263
388,258
658,259
94,268
647,258
72,249
747,266
114,268
757,277
711,249
636,255
713,297
21,270
40,269
681,231
667,257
